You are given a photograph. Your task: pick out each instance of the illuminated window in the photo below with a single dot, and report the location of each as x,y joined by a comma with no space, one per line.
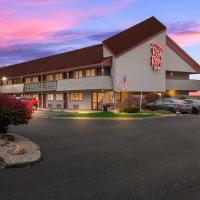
50,97
49,77
59,97
59,76
172,92
78,74
28,80
36,96
76,96
9,82
35,79
90,72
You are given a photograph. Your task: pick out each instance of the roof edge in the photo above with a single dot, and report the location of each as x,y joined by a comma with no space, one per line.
134,46
45,57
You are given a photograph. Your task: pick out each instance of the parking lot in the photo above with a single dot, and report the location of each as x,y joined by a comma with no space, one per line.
106,159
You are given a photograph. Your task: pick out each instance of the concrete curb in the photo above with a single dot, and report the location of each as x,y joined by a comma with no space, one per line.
23,164
111,118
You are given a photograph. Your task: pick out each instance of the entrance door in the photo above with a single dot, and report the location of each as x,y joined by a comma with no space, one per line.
97,100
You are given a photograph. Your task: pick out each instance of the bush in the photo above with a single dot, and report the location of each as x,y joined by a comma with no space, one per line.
166,95
12,112
131,109
132,101
151,97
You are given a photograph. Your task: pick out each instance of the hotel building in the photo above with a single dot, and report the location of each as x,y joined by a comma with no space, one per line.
142,58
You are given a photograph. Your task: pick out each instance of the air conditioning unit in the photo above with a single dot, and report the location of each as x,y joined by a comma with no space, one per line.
59,106
76,107
49,105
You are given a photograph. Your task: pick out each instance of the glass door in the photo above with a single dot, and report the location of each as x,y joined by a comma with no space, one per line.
97,100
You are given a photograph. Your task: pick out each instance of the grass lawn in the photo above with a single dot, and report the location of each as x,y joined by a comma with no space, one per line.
106,115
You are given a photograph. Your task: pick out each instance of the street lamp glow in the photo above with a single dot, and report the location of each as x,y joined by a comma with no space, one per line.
4,78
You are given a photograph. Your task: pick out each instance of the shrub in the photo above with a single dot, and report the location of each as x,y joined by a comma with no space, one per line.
132,101
151,97
131,109
12,112
166,95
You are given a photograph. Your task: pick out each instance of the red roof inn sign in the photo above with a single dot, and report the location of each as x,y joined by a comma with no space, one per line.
156,56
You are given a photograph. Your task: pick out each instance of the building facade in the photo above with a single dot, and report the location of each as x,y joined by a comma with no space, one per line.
140,59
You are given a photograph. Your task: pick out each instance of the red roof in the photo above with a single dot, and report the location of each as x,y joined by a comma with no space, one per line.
133,36
180,52
80,57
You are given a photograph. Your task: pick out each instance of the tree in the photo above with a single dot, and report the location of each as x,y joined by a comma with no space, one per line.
12,112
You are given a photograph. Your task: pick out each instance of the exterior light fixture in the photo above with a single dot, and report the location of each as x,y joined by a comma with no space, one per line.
4,78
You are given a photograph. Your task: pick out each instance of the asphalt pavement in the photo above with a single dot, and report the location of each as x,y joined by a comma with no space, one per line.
150,159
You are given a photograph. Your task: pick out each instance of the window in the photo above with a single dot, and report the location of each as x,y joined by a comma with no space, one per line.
78,74
50,97
90,72
76,96
36,96
59,76
28,80
107,71
35,79
50,77
59,97
9,82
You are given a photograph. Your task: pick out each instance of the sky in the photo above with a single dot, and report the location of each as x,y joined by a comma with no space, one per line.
31,29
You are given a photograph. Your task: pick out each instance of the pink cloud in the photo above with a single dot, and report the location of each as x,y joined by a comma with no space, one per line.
185,33
186,38
36,24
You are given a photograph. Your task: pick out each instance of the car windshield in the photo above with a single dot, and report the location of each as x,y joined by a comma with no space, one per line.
25,99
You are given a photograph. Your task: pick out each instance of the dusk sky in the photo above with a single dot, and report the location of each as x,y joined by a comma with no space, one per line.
32,29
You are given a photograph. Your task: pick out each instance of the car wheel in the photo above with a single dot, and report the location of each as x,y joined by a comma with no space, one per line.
34,107
194,111
172,110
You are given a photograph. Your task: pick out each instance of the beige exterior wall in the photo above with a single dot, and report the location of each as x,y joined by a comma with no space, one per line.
12,89
136,65
84,104
87,83
106,53
175,63
55,104
191,85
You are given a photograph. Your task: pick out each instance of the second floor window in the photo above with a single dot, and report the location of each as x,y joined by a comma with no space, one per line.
78,74
59,76
90,72
28,80
49,77
10,82
35,79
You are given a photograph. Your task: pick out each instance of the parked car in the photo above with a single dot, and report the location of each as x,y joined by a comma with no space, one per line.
172,105
195,105
29,101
